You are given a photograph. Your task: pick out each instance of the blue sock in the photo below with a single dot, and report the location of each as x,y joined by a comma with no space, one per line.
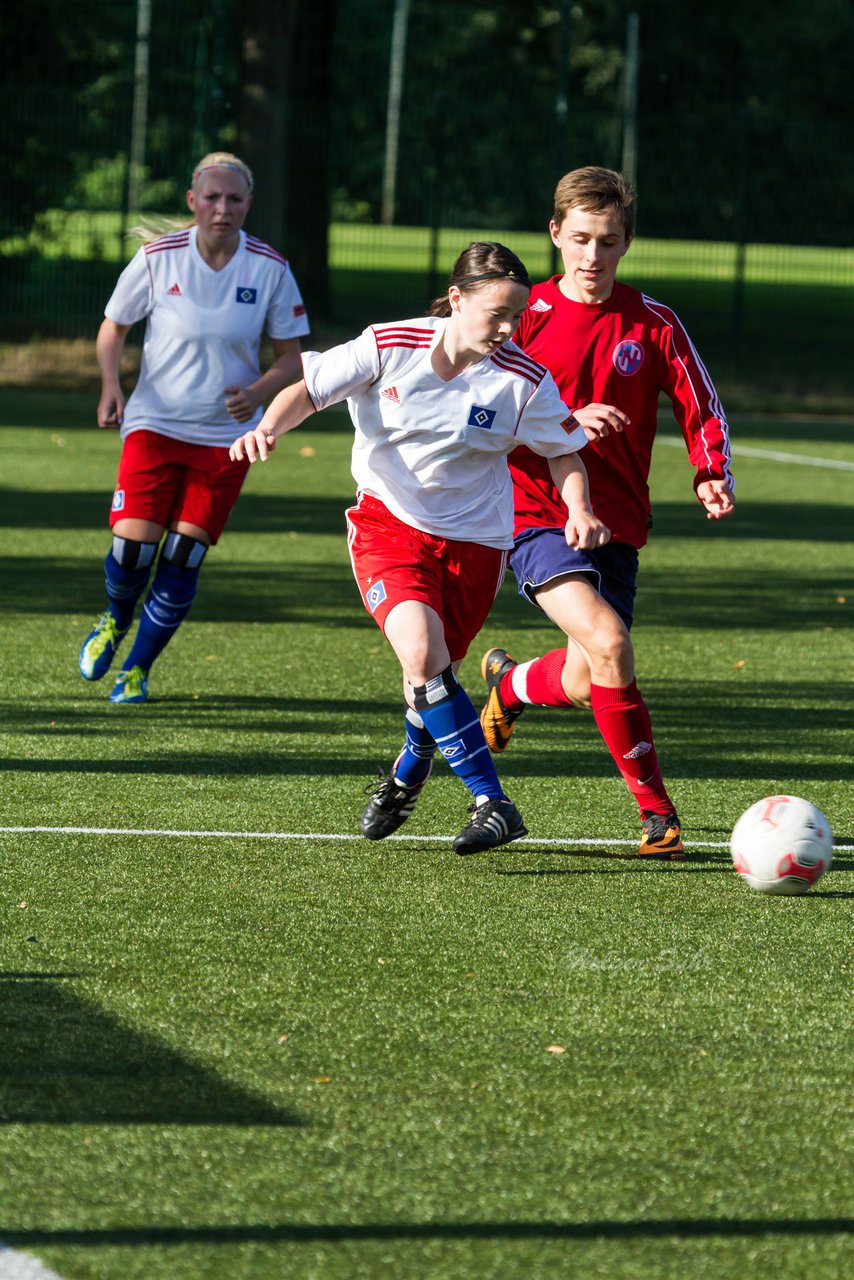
166,606
415,761
449,716
125,585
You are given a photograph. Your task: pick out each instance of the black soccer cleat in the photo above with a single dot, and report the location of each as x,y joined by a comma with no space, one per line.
388,808
493,823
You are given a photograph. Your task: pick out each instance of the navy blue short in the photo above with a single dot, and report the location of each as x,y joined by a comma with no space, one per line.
539,556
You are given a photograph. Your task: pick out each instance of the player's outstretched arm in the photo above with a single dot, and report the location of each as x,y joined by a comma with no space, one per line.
717,497
583,528
598,420
290,407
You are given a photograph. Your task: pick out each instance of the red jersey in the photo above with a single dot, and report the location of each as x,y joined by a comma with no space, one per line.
623,352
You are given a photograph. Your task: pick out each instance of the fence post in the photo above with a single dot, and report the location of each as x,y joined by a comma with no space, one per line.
437,179
630,100
742,229
397,62
562,107
139,125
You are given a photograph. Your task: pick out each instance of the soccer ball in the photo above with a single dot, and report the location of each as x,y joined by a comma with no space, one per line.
782,844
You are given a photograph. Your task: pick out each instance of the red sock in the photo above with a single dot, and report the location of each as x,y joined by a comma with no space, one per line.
542,682
623,721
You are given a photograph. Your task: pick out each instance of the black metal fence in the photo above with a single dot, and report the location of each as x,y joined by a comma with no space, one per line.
754,252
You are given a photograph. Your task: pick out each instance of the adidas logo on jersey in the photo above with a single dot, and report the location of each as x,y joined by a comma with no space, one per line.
390,393
175,291
541,305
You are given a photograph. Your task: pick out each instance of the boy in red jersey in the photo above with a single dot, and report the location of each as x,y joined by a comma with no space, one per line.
612,350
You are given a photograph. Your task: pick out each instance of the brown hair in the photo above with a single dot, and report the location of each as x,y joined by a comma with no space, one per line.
596,190
482,263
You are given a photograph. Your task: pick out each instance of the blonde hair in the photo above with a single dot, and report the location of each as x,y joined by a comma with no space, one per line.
596,190
223,160
149,231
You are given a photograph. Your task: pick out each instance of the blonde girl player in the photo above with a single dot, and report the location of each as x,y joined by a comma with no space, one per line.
437,404
208,292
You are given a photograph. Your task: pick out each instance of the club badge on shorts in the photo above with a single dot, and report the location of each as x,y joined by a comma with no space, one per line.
119,500
375,595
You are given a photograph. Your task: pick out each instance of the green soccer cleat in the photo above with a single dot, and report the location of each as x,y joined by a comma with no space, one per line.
131,686
99,648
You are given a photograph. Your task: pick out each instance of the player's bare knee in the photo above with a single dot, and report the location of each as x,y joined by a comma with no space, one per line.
611,655
419,655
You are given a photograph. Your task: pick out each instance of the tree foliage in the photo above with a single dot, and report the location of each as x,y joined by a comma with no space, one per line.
734,101
738,104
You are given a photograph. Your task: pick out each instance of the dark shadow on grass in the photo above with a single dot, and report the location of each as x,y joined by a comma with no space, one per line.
639,868
282,717
64,1060
28,976
204,766
779,521
794,433
591,849
307,1233
262,513
780,600
695,862
89,509
843,863
678,868
294,589
561,746
260,714
50,410
288,591
54,408
341,766
755,740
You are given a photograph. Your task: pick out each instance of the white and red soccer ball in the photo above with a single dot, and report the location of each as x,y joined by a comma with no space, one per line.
782,844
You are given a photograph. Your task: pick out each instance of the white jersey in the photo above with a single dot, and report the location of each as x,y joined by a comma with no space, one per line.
435,452
203,331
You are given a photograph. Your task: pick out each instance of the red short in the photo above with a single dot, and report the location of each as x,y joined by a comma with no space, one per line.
165,480
393,562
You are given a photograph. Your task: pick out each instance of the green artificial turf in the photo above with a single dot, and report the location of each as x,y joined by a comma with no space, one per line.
229,1049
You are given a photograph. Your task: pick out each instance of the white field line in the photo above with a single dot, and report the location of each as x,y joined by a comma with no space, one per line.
775,455
332,835
23,1266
